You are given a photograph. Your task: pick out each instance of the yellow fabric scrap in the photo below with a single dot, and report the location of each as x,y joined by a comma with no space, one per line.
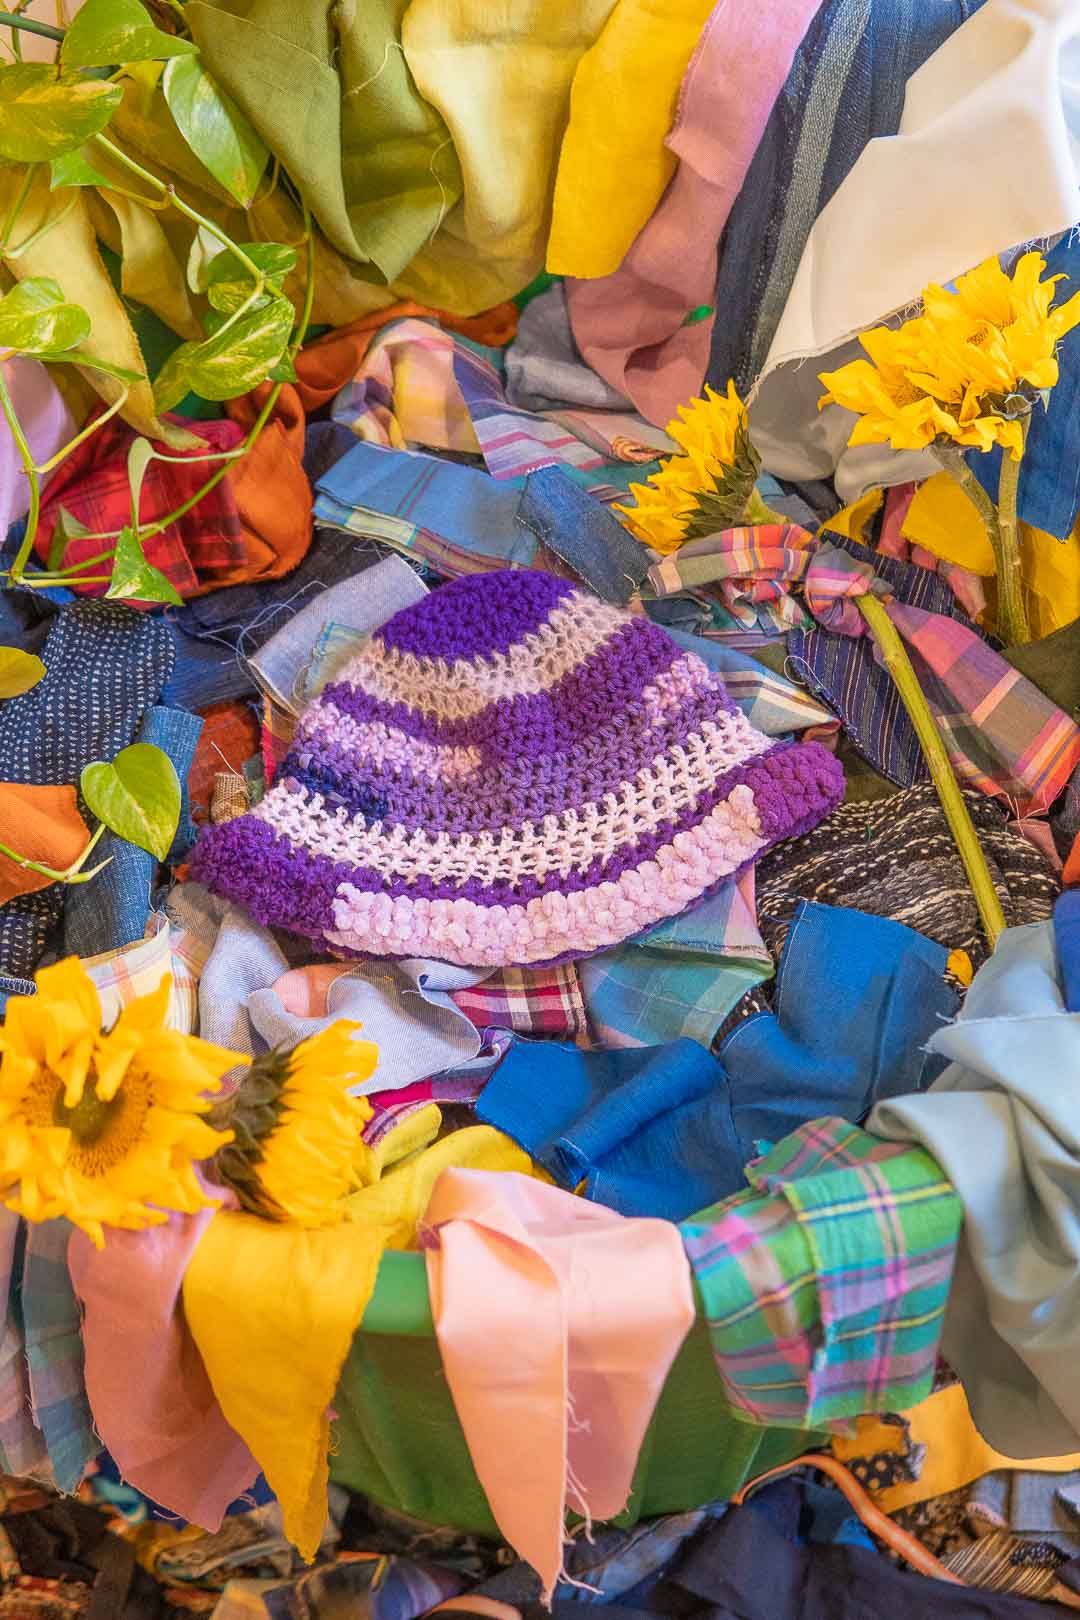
614,166
956,1453
273,1308
942,519
851,521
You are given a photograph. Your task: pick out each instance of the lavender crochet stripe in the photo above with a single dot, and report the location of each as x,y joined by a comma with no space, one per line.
599,692
478,616
794,785
502,797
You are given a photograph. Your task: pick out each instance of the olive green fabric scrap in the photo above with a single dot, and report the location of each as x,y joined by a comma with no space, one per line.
327,87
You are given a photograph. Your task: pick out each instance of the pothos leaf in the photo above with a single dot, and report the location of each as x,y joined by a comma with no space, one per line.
19,671
137,796
35,318
214,127
66,529
230,362
74,169
229,282
105,32
133,578
43,114
205,248
284,371
140,455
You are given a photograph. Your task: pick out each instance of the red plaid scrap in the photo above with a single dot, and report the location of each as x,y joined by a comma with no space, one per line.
529,1001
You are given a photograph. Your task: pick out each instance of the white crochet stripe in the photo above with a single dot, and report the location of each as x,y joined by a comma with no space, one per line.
556,924
565,843
456,691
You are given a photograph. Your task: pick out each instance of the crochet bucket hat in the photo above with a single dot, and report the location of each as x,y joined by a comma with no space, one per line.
512,772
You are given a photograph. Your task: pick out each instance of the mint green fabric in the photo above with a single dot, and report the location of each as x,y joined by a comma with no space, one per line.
327,86
397,1437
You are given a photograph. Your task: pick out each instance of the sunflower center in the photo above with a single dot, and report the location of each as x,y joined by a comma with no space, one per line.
103,1131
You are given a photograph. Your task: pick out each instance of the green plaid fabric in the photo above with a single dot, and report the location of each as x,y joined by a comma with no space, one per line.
825,1284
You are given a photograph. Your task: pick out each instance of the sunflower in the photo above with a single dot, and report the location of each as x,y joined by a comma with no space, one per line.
708,486
967,370
298,1148
102,1128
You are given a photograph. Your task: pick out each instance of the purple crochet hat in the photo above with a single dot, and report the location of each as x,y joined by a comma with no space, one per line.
512,772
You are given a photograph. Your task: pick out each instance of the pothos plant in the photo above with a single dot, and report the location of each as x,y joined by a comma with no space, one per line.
136,795
63,153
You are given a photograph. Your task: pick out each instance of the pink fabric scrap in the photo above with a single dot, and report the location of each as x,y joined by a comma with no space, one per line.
148,1389
629,325
558,1321
47,423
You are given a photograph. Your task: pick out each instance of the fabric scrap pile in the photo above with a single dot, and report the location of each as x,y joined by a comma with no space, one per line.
540,820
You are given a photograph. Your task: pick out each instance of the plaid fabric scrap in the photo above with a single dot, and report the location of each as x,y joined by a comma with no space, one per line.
52,1322
752,569
682,978
529,1001
195,552
121,976
824,1286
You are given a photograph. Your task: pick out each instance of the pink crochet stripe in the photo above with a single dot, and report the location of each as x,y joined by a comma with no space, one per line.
389,747
555,924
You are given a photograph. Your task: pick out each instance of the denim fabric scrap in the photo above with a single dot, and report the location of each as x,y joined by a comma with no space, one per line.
647,1131
215,635
1048,496
587,537
857,998
362,601
405,1007
1067,943
846,87
105,667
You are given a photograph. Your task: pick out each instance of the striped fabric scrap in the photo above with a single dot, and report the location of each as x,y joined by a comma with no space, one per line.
824,1285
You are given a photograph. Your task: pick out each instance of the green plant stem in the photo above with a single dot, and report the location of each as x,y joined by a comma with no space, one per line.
71,874
1004,542
11,19
184,208
80,438
16,207
27,459
43,229
898,664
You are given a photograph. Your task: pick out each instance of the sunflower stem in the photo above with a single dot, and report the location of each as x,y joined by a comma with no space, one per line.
896,661
1012,618
758,510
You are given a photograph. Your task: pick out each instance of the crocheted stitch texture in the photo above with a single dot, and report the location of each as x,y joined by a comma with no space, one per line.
509,772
